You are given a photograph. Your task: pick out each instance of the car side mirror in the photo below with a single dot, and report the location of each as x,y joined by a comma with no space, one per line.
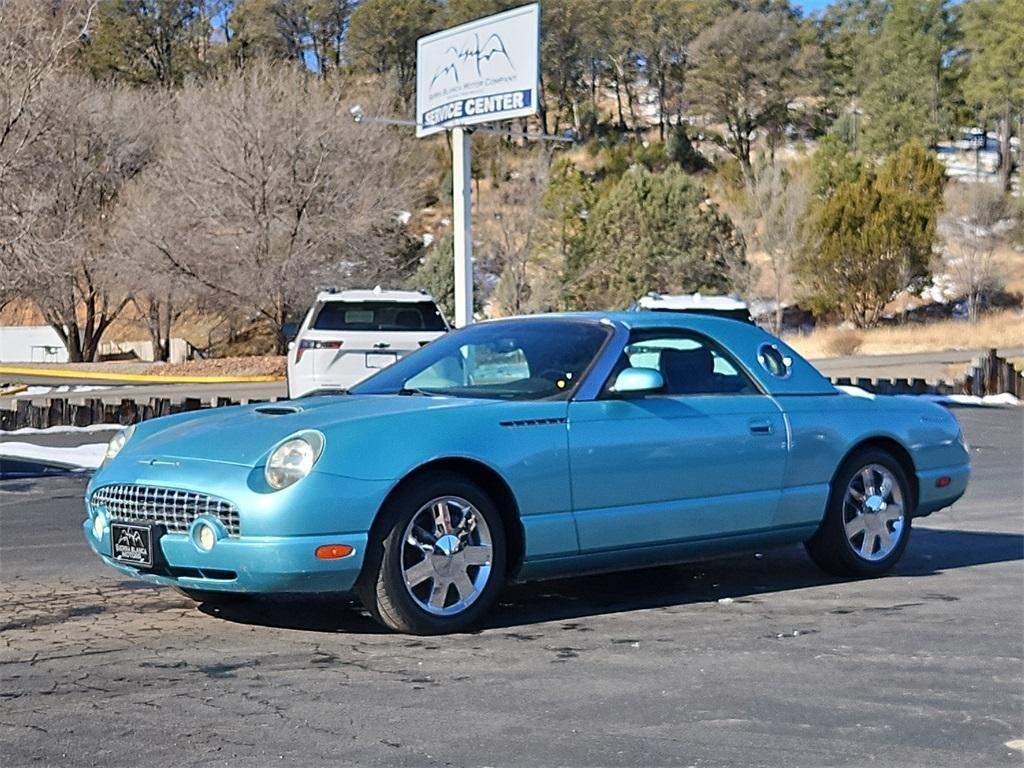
291,345
635,381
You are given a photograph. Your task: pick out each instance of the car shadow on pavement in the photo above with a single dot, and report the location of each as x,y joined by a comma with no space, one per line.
740,577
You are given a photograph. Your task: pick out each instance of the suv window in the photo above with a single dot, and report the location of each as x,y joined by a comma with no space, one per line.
690,365
378,316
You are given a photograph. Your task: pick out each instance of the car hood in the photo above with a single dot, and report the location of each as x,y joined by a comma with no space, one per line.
245,435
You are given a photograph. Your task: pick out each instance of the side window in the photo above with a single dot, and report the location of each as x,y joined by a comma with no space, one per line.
689,365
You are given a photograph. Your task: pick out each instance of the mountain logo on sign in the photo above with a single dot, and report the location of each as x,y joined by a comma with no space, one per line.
472,54
130,538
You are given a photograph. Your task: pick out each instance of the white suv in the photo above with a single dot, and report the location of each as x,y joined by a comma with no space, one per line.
348,335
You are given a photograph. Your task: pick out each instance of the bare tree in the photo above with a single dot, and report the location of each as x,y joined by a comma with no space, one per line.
36,41
777,201
68,266
512,234
975,220
152,227
282,189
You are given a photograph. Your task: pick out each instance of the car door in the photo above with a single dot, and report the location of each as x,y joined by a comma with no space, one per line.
703,458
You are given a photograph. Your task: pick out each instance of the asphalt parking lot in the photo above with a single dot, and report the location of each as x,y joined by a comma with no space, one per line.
757,660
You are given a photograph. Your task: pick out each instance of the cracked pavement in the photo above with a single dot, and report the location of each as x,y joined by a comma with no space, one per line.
756,660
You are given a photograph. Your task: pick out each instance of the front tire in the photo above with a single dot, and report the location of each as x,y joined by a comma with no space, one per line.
436,562
867,523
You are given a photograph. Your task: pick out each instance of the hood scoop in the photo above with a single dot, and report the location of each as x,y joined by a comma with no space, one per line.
277,410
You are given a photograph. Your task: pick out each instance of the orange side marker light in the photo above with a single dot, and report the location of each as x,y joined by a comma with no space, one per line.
334,551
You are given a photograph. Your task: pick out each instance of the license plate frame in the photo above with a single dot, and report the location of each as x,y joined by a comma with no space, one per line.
133,544
378,360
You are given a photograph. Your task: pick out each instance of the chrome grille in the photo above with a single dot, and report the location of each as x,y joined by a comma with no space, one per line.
170,507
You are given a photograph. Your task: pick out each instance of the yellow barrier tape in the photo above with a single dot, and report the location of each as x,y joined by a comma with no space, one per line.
134,378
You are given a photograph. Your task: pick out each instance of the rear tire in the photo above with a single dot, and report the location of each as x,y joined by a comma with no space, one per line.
436,560
867,522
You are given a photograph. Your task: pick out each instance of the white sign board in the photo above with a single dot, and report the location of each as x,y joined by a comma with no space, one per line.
478,72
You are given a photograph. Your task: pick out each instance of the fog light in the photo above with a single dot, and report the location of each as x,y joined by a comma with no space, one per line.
206,537
98,526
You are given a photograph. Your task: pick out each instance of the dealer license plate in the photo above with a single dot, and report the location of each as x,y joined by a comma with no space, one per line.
132,544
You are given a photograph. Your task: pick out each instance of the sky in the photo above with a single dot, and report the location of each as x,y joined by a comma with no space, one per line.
810,6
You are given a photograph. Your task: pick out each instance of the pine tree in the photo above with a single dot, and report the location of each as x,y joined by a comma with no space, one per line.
994,83
654,232
873,236
907,80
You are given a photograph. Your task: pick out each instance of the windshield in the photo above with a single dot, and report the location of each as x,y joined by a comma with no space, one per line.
378,316
525,359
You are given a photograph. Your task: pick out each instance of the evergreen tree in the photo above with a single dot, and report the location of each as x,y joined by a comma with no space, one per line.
908,80
873,236
150,41
748,67
833,165
654,232
382,37
994,83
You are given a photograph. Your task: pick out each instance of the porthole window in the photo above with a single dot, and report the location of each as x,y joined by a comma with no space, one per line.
773,361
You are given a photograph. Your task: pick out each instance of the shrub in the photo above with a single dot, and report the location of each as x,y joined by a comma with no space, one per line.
843,342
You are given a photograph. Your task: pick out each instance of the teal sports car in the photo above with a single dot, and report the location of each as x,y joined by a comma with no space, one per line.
521,449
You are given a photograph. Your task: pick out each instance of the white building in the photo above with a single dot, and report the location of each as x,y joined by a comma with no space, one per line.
31,344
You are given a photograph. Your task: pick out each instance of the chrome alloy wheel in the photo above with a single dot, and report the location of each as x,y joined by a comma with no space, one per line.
446,555
873,513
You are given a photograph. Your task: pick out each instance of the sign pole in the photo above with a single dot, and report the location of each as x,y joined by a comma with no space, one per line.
484,71
463,226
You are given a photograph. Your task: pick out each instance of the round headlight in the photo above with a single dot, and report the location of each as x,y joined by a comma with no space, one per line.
293,459
117,442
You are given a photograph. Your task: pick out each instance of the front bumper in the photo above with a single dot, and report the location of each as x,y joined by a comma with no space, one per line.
259,564
279,531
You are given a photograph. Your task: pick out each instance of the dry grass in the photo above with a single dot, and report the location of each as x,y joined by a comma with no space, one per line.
999,329
843,342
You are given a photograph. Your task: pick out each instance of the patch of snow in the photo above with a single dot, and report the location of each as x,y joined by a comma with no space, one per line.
403,217
855,391
37,390
942,290
1002,399
428,239
62,429
88,456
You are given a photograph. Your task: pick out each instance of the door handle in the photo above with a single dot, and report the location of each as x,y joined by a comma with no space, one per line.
761,428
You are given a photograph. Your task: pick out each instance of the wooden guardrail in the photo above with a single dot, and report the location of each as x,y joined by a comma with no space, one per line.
992,375
84,412
989,374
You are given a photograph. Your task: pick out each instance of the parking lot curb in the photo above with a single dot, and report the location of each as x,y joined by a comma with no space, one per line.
134,378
